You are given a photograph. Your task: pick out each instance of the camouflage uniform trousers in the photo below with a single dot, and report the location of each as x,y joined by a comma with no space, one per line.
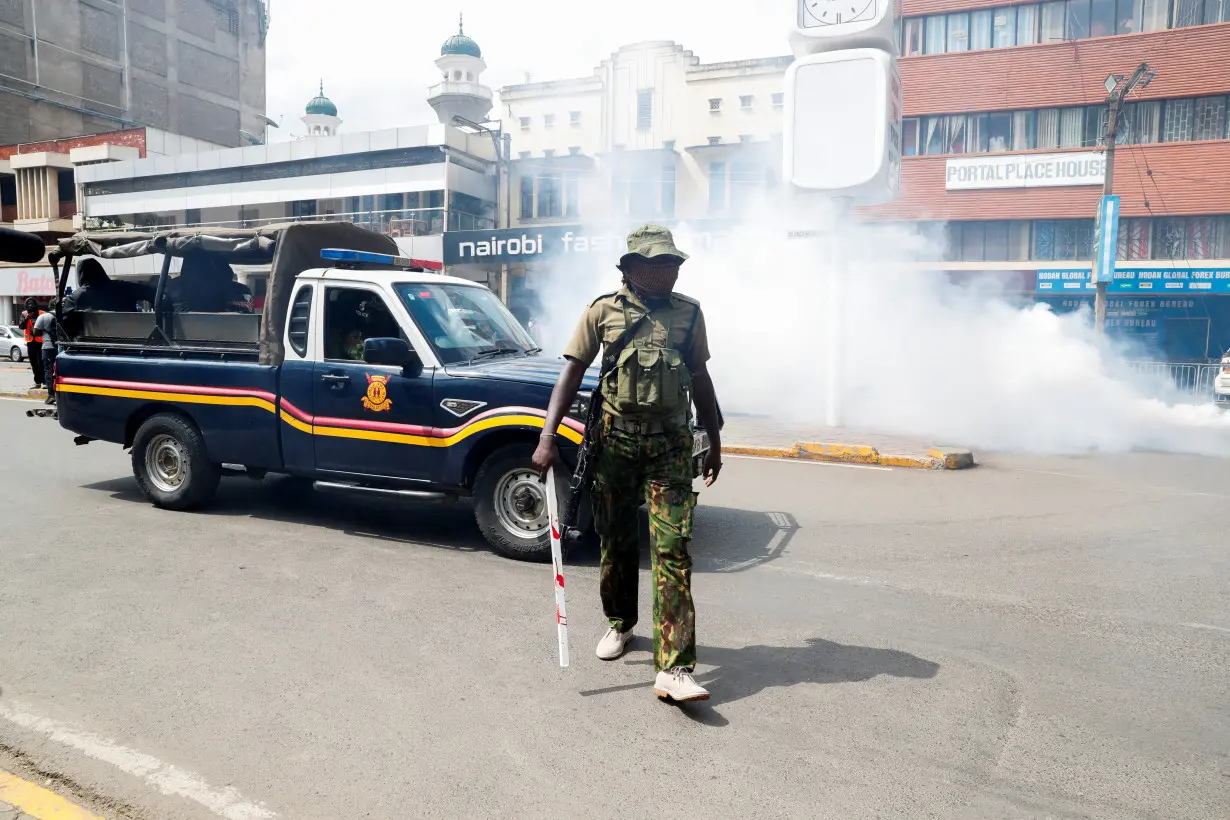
657,470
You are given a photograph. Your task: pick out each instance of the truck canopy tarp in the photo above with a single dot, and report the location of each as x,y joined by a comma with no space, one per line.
289,249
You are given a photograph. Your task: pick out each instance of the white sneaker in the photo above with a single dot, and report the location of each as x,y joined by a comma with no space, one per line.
613,644
679,685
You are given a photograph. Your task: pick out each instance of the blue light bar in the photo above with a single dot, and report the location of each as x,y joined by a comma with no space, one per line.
357,257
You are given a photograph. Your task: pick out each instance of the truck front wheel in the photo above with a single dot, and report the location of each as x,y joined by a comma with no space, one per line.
171,465
510,504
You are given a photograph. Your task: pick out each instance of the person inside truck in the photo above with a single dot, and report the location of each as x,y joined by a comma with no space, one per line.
352,317
98,291
206,284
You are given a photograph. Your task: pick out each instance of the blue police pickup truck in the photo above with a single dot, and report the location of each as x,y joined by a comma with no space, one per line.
362,373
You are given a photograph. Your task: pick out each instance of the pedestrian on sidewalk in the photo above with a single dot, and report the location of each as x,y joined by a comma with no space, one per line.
45,324
655,354
34,341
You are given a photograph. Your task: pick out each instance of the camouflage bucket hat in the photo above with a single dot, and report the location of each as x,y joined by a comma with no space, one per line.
652,242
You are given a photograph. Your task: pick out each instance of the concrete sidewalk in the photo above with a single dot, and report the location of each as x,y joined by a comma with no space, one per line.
758,436
17,379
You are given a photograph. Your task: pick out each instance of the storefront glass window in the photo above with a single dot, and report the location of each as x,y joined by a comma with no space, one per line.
996,247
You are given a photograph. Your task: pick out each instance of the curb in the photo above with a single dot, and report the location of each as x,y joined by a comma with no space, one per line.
937,458
37,802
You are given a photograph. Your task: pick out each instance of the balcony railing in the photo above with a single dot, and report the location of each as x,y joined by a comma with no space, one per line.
394,223
459,87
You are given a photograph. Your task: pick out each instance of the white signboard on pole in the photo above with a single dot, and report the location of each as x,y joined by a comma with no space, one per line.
828,25
843,125
1025,171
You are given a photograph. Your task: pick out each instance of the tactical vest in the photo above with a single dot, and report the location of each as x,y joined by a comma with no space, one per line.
651,380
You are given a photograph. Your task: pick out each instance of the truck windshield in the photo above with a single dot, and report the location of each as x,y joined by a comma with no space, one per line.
464,322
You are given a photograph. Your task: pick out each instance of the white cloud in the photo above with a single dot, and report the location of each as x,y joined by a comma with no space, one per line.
376,56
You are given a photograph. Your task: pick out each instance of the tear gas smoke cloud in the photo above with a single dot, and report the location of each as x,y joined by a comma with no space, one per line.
918,354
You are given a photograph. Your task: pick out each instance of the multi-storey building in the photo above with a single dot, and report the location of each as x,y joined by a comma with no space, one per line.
995,94
190,67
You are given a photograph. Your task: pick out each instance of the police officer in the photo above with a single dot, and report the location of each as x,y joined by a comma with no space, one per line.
646,453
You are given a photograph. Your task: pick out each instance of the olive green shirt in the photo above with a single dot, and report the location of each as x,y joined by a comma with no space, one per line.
603,323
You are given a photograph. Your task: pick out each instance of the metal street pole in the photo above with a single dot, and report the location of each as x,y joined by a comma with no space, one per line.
832,405
1117,89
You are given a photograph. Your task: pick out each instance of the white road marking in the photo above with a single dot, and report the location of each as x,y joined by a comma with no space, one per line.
811,463
1208,627
170,780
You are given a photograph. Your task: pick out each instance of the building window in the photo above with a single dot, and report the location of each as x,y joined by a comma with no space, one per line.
980,25
745,179
1134,239
1024,130
525,123
909,137
1155,15
1211,118
1102,18
644,110
717,187
715,104
1027,25
548,120
934,35
1177,125
956,135
1003,27
715,140
935,135
549,197
668,189
1188,13
958,32
1054,18
745,102
572,195
779,100
1078,19
912,37
1127,16
527,197
574,150
574,118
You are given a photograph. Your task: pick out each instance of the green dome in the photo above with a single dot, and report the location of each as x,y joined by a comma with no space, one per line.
459,43
322,104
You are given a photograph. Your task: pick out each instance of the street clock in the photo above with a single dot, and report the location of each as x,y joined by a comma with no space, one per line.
829,25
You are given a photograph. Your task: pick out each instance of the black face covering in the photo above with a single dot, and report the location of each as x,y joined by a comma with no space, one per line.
651,281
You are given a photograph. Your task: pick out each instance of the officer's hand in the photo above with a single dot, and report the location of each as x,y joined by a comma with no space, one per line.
713,466
546,456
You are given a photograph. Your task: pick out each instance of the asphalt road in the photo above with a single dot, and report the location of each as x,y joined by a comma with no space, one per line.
1039,637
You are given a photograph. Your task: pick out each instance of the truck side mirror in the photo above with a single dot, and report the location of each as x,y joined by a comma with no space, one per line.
392,352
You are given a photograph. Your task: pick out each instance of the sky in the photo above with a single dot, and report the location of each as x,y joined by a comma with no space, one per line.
376,57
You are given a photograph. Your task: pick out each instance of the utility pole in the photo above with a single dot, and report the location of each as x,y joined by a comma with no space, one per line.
1117,89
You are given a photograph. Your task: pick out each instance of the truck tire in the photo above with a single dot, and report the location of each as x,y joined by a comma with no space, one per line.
171,464
510,504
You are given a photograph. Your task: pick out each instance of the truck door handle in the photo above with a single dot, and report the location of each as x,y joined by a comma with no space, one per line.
336,381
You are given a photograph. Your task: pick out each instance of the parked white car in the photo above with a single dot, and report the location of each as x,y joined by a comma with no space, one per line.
1221,384
12,343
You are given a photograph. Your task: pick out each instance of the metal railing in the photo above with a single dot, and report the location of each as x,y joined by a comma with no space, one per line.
394,223
1194,379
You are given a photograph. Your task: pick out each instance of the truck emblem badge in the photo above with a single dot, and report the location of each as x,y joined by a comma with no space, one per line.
461,407
377,399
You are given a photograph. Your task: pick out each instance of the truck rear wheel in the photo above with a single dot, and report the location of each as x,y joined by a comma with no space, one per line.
510,504
171,464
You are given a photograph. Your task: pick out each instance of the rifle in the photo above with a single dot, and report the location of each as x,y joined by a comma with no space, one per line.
591,445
